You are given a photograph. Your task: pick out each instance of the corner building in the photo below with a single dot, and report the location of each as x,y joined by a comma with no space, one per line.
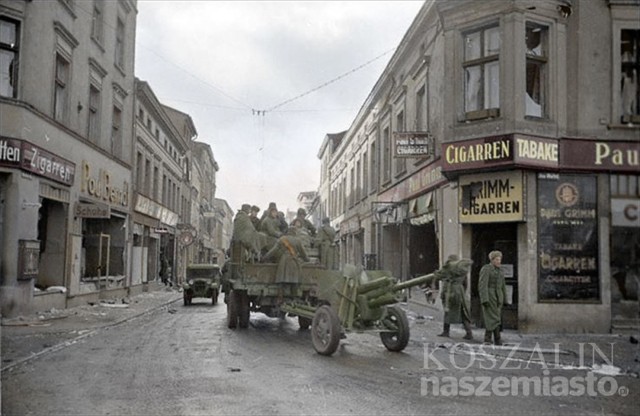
66,129
511,126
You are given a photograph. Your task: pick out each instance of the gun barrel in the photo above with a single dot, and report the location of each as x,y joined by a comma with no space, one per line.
416,281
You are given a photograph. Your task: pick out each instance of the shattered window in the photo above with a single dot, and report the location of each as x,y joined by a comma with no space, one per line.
536,43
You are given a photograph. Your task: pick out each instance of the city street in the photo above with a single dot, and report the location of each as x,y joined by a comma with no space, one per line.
181,360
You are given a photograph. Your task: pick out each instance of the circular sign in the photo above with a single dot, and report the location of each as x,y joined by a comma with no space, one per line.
186,238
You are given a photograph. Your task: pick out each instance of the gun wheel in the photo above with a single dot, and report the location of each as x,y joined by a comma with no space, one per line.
397,338
325,330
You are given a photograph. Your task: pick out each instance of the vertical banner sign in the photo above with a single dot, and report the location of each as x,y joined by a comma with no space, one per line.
567,238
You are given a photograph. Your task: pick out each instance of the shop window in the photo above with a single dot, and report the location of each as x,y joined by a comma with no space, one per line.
536,56
482,73
630,67
9,48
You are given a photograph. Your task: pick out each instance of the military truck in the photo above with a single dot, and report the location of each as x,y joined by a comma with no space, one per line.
203,281
330,302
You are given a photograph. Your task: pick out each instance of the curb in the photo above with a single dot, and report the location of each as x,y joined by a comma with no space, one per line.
92,332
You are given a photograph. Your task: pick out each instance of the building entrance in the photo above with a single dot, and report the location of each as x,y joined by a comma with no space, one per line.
486,238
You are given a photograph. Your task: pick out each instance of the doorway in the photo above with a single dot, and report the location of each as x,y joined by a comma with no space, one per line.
484,239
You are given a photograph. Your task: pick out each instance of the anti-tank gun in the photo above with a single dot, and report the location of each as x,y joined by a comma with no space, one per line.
331,302
359,301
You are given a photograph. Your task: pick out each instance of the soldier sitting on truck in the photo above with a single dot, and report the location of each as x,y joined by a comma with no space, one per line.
245,233
289,253
306,224
270,228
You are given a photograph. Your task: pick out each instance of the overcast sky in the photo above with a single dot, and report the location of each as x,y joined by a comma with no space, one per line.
264,82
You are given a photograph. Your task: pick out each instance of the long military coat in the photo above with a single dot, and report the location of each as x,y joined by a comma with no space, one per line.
493,293
326,235
245,232
289,253
454,297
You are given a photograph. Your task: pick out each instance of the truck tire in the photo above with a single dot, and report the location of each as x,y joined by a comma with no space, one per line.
243,309
214,297
397,340
232,310
325,330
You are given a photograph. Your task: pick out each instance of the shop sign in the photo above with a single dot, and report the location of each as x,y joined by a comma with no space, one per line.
99,184
31,158
413,144
500,151
89,210
491,197
567,238
599,155
625,212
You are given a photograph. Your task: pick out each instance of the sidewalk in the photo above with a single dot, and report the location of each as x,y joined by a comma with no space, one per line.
616,352
26,337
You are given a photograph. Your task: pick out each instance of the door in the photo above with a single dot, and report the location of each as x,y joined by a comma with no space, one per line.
486,238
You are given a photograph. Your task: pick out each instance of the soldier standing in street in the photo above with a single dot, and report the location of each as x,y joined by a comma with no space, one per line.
493,294
453,275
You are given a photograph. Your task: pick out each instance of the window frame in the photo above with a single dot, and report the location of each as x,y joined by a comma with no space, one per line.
94,113
482,62
14,50
61,85
97,22
541,61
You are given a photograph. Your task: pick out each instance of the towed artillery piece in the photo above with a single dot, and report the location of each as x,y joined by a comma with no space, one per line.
330,302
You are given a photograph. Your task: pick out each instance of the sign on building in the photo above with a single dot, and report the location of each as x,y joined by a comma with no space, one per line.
491,197
413,144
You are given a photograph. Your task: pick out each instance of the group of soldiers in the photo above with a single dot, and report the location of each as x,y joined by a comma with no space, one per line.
270,238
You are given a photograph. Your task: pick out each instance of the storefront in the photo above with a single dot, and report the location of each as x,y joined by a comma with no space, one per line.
34,206
100,231
544,203
407,216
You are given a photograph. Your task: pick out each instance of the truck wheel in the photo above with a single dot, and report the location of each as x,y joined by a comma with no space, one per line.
232,309
325,330
243,309
304,323
214,297
395,320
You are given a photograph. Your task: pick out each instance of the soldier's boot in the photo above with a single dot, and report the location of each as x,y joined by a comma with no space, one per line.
467,329
445,331
487,337
496,337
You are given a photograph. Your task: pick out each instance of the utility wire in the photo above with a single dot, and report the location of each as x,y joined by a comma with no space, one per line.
107,24
328,82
